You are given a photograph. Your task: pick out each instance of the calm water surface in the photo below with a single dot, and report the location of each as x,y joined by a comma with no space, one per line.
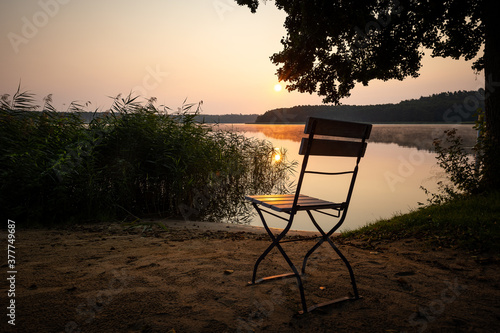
398,161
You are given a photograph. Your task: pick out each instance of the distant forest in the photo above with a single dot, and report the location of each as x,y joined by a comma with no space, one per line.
447,107
227,118
221,119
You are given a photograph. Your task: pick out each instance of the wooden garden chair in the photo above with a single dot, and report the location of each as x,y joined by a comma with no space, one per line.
350,141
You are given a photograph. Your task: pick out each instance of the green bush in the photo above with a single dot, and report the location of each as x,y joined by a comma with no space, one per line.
464,167
137,161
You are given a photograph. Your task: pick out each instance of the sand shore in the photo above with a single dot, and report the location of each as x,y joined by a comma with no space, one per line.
192,278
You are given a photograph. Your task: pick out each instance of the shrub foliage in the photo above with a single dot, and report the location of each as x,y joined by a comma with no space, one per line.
138,160
464,166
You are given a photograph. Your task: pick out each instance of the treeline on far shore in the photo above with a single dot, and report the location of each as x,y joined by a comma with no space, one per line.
202,118
446,107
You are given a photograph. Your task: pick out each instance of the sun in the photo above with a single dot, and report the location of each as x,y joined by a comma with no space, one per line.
277,87
277,155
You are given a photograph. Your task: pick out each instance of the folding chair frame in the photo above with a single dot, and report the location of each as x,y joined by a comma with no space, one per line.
304,203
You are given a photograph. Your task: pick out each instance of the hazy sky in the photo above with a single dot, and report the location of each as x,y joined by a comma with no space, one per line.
210,50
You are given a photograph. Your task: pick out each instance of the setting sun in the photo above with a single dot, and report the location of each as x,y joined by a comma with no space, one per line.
277,154
277,87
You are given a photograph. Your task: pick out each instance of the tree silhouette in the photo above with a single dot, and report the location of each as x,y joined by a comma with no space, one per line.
333,44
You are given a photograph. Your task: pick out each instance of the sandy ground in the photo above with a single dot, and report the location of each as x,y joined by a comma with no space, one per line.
192,278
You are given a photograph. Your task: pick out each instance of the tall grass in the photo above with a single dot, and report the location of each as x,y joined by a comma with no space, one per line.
137,161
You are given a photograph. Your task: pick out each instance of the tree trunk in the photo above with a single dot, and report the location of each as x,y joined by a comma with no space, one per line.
492,95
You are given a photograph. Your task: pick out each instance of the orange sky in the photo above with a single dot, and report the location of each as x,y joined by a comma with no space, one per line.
210,50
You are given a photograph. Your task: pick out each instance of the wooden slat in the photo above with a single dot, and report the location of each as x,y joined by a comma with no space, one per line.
284,203
323,147
338,128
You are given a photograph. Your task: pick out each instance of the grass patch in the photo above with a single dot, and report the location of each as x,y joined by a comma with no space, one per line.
470,223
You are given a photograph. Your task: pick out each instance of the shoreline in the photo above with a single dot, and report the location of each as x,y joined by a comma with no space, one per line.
176,225
228,227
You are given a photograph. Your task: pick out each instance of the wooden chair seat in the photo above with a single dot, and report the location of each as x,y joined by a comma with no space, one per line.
284,202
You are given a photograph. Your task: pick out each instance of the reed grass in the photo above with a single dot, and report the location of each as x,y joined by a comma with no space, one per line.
137,161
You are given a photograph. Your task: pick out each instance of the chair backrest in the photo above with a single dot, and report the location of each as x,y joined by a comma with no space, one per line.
348,139
338,129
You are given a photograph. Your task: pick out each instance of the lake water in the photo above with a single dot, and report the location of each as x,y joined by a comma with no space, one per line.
398,161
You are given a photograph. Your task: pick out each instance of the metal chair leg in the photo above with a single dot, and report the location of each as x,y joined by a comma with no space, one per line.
349,268
275,241
297,275
317,245
276,244
326,236
311,251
